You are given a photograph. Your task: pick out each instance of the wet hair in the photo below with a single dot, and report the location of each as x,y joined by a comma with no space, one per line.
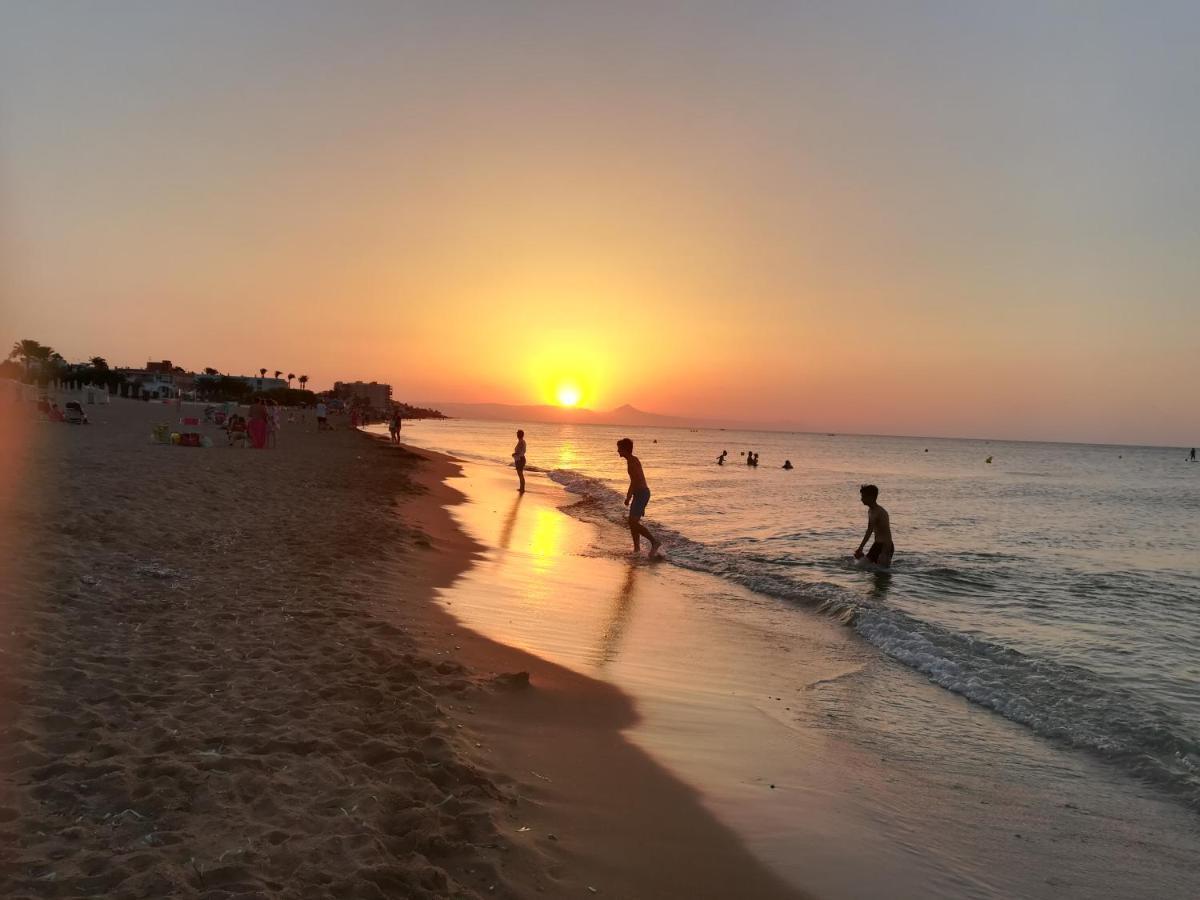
520,433
625,444
869,492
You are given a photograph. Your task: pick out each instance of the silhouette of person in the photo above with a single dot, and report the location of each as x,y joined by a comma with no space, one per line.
518,456
725,453
750,457
639,494
1193,457
787,464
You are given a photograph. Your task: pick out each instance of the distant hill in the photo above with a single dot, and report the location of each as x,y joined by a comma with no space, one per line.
622,415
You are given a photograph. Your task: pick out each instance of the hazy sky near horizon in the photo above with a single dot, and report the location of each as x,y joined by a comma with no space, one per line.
919,217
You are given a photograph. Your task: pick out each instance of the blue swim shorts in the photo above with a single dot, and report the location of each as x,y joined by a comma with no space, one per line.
637,506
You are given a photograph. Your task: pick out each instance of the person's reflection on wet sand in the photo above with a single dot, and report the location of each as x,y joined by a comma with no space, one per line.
614,629
510,521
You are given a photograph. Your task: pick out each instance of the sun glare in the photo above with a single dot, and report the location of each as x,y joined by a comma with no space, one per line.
568,395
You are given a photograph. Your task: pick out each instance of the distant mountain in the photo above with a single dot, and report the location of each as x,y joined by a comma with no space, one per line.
622,415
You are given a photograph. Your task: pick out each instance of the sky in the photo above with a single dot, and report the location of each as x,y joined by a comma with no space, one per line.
935,218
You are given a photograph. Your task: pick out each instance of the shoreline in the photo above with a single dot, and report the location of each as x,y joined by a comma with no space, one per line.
560,741
836,765
227,676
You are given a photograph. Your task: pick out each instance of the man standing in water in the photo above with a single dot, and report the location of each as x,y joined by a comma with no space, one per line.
518,456
639,494
878,524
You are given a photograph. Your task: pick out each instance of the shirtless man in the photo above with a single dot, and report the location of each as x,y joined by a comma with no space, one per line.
639,493
878,524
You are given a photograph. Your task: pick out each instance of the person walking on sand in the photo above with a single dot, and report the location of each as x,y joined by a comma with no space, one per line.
637,497
878,524
322,416
395,425
518,456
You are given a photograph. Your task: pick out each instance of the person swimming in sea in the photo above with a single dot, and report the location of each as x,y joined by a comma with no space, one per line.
787,464
878,524
636,497
721,458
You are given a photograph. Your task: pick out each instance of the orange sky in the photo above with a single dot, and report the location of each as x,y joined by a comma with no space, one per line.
961,222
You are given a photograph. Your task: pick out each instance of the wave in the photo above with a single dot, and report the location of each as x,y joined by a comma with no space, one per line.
1066,703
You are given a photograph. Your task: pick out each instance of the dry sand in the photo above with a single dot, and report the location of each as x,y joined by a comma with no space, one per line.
223,676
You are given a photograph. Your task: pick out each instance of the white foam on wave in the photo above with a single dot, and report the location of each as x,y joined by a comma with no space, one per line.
1065,703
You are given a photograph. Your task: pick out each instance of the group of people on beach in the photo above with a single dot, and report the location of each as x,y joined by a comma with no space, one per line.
637,497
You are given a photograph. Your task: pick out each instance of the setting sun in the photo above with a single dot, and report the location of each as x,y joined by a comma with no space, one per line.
568,395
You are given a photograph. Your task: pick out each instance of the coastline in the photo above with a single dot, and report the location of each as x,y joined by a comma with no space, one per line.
226,676
843,770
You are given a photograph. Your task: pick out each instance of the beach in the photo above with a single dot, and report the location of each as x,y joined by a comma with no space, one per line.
224,675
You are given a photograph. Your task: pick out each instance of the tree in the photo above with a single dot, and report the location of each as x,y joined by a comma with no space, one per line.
262,373
29,351
278,373
209,370
99,363
303,381
290,377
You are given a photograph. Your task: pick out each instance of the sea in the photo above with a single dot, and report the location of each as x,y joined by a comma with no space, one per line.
1054,585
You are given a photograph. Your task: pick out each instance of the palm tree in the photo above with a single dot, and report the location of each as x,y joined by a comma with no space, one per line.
28,350
262,373
290,377
303,381
277,374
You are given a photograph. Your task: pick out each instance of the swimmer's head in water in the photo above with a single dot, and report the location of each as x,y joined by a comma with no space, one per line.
624,447
520,433
869,493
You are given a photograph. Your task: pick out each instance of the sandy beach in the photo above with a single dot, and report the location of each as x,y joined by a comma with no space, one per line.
223,676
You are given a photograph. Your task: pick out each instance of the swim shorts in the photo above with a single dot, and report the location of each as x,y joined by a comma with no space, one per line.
637,507
877,550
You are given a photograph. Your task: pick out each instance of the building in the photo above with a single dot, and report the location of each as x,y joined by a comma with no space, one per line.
377,395
160,380
255,382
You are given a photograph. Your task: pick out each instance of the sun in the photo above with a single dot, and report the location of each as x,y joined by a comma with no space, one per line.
568,395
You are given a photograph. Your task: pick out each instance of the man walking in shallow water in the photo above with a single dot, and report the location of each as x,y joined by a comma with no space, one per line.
636,498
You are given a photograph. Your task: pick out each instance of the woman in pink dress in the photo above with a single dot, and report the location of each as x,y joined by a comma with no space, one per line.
258,425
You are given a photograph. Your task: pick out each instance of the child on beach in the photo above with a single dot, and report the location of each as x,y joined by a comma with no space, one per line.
518,456
639,494
878,524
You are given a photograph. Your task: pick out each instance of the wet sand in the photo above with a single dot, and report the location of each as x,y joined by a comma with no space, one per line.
223,676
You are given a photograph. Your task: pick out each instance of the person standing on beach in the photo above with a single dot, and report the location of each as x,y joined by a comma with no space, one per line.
636,497
272,423
394,427
322,415
518,456
879,524
258,426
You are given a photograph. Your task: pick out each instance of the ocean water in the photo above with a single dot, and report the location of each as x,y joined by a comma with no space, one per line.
1057,586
